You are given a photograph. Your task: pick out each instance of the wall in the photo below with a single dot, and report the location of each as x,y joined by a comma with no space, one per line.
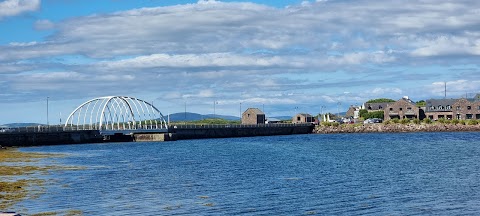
200,132
49,138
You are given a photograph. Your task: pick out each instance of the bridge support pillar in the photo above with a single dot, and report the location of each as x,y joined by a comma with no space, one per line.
154,137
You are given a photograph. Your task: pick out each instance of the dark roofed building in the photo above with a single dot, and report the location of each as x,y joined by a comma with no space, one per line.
372,107
253,116
439,108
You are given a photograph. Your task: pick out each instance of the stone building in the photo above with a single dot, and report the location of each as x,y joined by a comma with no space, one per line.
439,108
403,108
353,111
466,109
253,116
303,118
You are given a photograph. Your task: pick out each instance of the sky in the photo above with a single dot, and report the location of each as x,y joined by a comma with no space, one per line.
284,56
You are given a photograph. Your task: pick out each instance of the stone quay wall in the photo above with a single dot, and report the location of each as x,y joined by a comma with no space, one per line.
226,131
22,139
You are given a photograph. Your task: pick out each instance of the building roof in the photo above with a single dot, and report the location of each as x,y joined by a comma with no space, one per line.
255,111
377,106
438,102
305,114
435,105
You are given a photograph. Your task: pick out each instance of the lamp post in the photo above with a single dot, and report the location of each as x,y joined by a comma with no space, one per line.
240,113
48,124
338,109
321,112
214,103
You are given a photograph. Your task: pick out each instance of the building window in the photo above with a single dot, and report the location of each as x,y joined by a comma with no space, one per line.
469,116
391,109
432,108
449,107
400,108
477,116
380,107
409,108
248,115
298,118
459,116
469,107
440,107
458,107
478,107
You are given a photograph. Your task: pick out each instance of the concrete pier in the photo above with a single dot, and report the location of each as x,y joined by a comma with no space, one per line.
224,131
175,132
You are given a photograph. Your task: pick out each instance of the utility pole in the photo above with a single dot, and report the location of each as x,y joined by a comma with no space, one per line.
185,118
240,113
445,90
214,114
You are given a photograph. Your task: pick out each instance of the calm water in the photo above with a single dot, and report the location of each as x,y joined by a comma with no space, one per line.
339,174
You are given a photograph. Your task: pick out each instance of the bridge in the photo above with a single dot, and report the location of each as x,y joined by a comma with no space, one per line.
117,114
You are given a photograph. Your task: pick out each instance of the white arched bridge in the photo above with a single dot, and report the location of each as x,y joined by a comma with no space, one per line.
117,114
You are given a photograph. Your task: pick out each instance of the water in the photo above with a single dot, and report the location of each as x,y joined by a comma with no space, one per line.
338,174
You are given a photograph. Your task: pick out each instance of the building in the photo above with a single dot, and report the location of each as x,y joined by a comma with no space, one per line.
439,108
353,111
372,107
303,118
466,109
401,109
253,116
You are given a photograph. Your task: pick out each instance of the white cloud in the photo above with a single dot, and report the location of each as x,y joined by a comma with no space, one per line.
252,52
44,24
16,7
384,91
455,88
447,46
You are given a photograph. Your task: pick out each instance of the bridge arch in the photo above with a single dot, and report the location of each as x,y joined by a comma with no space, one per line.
113,113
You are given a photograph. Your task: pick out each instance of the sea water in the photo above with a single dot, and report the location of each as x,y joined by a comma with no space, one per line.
314,174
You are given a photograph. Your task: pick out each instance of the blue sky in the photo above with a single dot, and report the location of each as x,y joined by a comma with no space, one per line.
286,56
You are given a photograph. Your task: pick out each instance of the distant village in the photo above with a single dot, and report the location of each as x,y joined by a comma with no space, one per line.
386,109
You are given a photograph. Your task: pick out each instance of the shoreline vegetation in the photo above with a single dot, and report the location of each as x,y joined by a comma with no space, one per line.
21,178
401,126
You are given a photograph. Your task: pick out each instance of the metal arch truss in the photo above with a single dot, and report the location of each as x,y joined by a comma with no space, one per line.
116,113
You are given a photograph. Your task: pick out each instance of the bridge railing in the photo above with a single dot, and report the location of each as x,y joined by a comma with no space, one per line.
61,128
204,126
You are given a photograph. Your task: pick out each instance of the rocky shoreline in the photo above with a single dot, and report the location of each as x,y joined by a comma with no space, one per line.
395,128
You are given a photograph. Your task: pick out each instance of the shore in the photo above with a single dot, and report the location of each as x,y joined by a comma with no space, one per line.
395,128
18,179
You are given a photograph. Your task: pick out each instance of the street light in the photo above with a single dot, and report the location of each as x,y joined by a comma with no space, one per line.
47,112
338,109
321,112
214,103
240,111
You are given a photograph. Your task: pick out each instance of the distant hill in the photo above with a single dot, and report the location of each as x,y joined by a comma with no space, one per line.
195,117
14,125
175,117
283,118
